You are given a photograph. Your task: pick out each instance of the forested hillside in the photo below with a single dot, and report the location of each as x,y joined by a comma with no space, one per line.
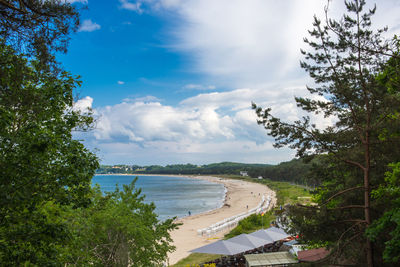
294,171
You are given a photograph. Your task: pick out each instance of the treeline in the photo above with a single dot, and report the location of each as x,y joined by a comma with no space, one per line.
294,171
214,168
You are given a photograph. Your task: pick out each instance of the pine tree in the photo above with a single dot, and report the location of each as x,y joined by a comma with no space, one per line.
38,28
345,59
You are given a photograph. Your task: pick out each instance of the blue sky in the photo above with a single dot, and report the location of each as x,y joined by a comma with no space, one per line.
172,81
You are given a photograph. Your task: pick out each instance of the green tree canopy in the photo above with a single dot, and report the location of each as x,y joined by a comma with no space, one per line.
344,58
40,162
119,229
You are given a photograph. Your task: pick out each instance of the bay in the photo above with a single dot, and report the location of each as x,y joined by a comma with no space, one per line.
173,196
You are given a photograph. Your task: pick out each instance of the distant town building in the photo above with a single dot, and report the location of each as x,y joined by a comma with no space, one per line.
243,173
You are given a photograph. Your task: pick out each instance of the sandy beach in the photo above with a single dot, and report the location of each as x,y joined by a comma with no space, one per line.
239,195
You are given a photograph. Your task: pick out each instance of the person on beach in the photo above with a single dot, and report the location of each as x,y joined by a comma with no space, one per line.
189,213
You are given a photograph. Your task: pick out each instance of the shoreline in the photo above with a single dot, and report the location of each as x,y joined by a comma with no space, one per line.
189,176
240,196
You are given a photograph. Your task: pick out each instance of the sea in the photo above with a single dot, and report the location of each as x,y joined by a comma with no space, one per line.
173,196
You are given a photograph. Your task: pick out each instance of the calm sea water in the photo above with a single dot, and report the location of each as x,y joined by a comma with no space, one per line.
173,196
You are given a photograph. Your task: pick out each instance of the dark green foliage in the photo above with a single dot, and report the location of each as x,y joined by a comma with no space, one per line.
41,166
354,70
49,214
387,228
119,229
294,171
214,168
37,28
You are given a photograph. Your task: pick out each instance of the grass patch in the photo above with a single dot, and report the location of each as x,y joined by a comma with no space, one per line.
252,223
286,193
194,259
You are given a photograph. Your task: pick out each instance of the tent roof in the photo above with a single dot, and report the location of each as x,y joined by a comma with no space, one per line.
277,233
248,240
271,234
272,258
263,235
243,242
223,247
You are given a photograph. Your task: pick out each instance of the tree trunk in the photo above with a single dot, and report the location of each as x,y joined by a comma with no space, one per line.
370,259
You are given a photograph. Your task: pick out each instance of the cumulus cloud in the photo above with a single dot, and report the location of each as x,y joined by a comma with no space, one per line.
83,104
235,44
209,127
88,26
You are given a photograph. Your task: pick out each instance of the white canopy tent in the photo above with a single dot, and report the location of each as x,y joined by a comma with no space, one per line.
248,240
271,234
223,247
243,242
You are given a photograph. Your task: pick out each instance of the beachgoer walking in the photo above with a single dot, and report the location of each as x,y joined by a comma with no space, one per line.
189,213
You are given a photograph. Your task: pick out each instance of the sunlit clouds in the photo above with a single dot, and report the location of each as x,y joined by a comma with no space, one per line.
239,52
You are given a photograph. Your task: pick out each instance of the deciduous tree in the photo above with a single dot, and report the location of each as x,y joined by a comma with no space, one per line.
119,229
42,167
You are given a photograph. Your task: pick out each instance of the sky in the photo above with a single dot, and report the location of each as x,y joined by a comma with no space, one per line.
172,81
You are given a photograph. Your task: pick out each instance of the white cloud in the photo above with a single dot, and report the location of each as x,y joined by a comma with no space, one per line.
148,98
201,129
83,104
251,45
244,44
76,1
192,86
126,4
88,26
238,43
209,127
121,82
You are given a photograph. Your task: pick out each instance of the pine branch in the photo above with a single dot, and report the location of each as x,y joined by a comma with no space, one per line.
353,220
354,163
342,192
348,207
7,4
